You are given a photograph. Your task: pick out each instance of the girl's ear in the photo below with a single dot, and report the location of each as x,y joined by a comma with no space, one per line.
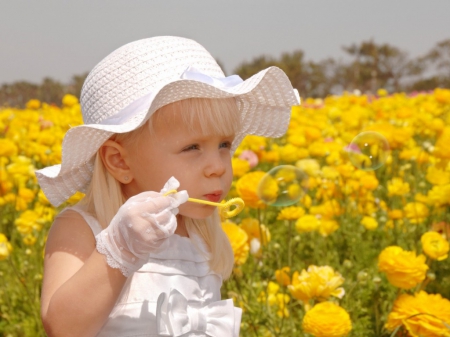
114,158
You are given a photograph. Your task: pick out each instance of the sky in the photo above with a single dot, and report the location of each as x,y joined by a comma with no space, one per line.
61,38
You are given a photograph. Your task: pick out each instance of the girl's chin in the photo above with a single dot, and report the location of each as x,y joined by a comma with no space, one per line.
198,213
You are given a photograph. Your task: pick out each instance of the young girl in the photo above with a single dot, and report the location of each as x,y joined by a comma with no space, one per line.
129,260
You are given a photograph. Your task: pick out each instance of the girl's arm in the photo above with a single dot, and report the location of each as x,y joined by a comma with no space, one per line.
79,288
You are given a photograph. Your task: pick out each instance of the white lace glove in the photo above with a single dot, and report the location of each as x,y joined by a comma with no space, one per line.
140,227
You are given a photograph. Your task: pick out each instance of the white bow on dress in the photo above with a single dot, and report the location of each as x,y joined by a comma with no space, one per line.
175,316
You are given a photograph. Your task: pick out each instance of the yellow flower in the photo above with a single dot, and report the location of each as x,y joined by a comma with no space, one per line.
29,239
369,223
306,201
26,194
33,104
330,173
240,167
8,148
282,301
421,198
435,246
307,223
42,198
403,268
382,92
328,209
416,154
312,133
69,100
369,182
75,198
5,247
257,234
416,212
238,240
421,314
317,283
296,139
27,221
395,214
283,276
346,170
318,149
5,186
397,186
270,156
309,166
442,95
291,213
441,145
247,186
289,153
439,195
327,227
437,177
254,230
327,319
273,298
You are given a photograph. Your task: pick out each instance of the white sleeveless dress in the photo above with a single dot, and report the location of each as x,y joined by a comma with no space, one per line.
174,294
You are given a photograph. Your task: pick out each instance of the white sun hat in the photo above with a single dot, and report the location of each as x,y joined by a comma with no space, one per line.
130,84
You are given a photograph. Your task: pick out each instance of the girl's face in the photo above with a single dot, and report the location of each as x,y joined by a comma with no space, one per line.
202,164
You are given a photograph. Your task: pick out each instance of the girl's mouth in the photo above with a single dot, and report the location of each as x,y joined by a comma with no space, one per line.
214,196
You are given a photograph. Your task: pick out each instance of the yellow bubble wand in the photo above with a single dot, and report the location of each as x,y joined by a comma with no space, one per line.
225,210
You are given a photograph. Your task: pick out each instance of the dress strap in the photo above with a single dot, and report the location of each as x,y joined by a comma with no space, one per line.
91,220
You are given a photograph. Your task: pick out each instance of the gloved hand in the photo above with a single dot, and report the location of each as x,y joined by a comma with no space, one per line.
140,227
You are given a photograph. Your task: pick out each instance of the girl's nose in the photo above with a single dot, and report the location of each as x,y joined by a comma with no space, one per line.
215,166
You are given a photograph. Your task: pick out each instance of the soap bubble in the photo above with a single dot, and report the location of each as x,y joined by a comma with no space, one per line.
368,150
282,186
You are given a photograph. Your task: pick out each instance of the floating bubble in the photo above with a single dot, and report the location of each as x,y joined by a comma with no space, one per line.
368,151
282,186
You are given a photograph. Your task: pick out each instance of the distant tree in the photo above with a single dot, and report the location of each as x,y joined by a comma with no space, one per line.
76,84
437,63
309,78
50,91
440,56
248,69
322,78
377,66
372,66
294,65
18,93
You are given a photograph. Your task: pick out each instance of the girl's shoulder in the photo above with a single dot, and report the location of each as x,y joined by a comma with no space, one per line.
79,212
72,230
70,242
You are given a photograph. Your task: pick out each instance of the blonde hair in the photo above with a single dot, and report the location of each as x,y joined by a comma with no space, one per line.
104,196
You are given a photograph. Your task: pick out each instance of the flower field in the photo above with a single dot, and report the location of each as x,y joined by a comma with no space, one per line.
362,249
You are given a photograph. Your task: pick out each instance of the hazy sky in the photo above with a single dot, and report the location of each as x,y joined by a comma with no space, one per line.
59,39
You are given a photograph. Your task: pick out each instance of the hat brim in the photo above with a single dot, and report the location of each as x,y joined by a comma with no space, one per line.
264,101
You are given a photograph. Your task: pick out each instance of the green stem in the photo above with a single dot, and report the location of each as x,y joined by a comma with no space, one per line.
253,325
27,292
289,259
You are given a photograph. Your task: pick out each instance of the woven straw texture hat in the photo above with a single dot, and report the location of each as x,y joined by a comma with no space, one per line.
134,81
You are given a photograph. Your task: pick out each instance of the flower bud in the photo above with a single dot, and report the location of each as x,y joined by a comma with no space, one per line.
431,276
376,280
348,264
362,276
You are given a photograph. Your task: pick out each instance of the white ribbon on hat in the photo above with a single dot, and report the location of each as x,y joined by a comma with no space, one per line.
143,103
192,73
176,317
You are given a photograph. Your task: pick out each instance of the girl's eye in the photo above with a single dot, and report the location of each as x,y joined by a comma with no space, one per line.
226,145
191,147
